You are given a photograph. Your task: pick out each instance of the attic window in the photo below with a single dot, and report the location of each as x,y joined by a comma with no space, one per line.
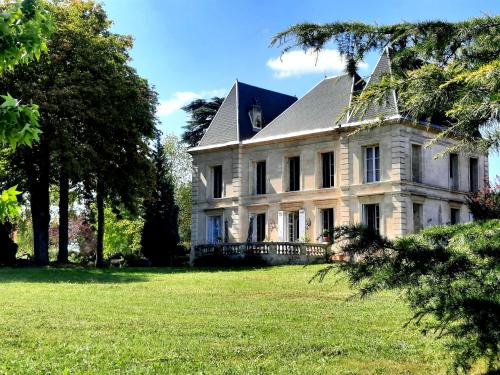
255,113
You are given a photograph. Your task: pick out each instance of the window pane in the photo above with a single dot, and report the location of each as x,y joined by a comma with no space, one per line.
377,164
372,216
261,177
454,171
261,227
327,169
416,170
473,175
217,181
214,229
294,166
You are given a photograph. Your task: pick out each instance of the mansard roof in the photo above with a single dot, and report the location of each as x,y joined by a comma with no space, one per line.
284,116
232,122
319,109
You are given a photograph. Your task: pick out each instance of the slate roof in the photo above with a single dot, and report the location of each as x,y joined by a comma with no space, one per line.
285,116
318,109
232,122
386,108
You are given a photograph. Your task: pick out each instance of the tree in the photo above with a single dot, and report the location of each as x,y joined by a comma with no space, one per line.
202,112
97,116
443,72
180,168
446,273
485,204
160,234
25,25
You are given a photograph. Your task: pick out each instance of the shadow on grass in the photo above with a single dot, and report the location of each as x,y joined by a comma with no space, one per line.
81,275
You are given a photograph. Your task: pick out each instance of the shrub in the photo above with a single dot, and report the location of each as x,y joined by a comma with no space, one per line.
485,204
449,273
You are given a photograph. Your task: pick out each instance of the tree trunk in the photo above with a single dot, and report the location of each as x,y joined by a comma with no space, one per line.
40,203
99,258
62,256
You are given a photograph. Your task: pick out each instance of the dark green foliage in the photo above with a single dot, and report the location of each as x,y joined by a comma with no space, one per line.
485,204
8,248
97,116
202,112
24,26
449,274
445,73
160,234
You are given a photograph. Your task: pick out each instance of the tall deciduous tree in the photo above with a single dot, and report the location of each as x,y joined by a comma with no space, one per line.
201,113
24,27
445,72
160,234
97,116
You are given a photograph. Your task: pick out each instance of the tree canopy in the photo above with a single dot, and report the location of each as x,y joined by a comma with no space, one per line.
97,116
24,28
442,72
201,113
447,273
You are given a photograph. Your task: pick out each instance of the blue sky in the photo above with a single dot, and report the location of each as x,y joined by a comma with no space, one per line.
190,49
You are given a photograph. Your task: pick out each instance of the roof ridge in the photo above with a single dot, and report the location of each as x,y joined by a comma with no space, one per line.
264,89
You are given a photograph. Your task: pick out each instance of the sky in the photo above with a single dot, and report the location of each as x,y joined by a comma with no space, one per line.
189,49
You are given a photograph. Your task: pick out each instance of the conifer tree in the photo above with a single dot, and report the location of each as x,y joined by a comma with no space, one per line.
160,234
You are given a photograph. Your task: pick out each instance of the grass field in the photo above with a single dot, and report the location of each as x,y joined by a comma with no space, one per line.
196,321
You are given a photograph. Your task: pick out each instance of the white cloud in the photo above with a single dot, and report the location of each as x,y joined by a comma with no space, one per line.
299,62
181,98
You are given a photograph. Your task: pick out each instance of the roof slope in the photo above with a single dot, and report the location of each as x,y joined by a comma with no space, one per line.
386,108
318,109
232,122
223,128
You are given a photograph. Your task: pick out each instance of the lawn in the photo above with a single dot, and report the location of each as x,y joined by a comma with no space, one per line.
196,321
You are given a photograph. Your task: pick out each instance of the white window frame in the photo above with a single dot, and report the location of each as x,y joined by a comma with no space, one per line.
365,163
321,182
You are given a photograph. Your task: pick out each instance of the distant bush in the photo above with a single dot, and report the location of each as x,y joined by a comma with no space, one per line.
485,204
83,259
449,273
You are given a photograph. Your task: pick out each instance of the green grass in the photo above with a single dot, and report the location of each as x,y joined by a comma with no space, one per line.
193,321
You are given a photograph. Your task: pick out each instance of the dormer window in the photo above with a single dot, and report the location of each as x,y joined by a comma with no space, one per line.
255,113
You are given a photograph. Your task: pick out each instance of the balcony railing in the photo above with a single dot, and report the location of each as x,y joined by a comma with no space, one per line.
263,248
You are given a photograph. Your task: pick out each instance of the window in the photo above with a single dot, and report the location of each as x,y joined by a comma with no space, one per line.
261,227
371,216
417,217
293,226
217,181
454,171
473,175
454,215
260,171
328,169
294,173
214,232
416,163
327,220
372,164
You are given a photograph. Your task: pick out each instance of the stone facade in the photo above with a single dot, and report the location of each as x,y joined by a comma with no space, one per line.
431,199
